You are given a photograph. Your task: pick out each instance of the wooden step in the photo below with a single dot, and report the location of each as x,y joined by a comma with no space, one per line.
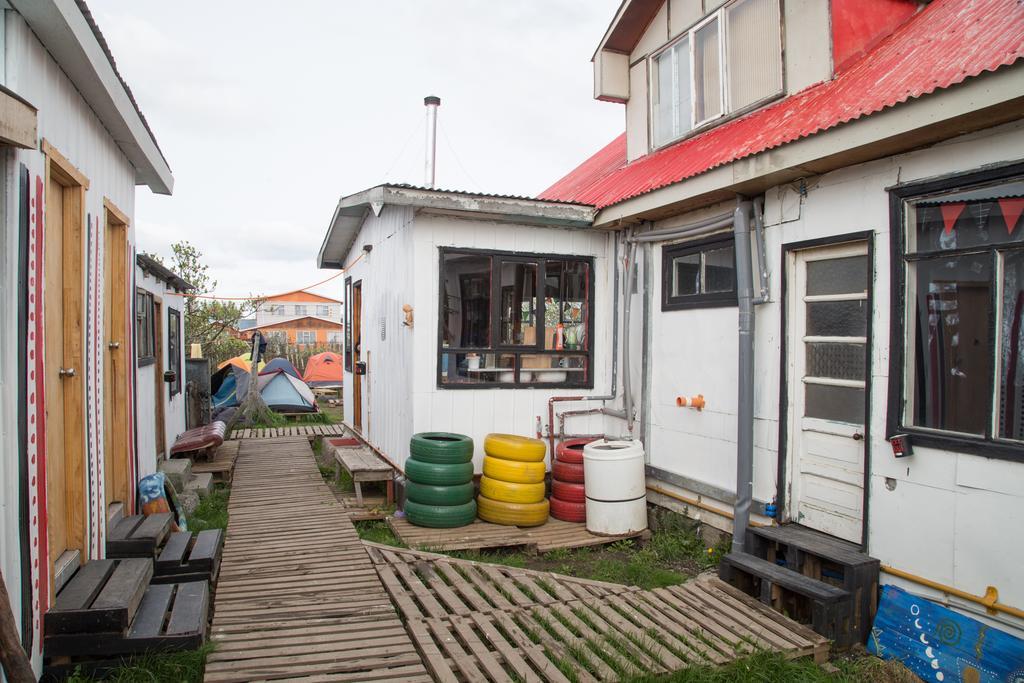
189,557
825,607
170,617
828,559
138,535
813,543
102,597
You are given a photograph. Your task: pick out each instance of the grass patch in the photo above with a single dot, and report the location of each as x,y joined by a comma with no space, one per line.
378,531
212,511
508,559
765,667
186,667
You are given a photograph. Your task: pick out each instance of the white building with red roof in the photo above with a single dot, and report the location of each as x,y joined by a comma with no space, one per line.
844,181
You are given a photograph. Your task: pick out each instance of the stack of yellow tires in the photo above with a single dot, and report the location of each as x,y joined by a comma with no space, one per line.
512,487
439,490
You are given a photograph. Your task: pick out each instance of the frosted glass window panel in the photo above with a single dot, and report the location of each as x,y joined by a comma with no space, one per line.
836,361
707,72
837,318
838,276
754,51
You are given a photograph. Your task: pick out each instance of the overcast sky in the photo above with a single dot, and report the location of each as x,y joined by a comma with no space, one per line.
269,112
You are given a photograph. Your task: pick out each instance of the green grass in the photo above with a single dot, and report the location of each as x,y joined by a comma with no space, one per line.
508,559
212,511
378,531
768,667
180,667
344,480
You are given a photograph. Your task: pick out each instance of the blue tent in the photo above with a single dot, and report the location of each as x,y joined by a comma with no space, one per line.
282,364
286,394
228,385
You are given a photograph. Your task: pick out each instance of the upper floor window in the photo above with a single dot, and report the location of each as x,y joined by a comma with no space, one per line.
960,381
728,61
323,311
300,309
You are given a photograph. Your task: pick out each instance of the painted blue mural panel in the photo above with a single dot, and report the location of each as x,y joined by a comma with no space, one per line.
939,644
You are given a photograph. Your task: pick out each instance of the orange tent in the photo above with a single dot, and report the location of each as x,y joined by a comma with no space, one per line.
323,370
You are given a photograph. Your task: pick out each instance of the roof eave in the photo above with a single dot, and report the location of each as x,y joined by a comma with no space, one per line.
67,36
352,211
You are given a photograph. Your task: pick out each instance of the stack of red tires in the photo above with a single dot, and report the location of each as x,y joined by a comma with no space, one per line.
568,501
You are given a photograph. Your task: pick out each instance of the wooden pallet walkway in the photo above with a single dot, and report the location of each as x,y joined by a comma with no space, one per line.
221,465
423,584
481,535
309,431
474,621
298,597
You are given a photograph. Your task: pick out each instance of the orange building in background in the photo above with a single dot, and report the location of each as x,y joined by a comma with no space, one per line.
299,318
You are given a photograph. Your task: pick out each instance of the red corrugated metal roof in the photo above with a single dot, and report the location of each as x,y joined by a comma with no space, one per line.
946,43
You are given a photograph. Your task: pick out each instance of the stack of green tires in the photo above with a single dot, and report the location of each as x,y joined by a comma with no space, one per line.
439,486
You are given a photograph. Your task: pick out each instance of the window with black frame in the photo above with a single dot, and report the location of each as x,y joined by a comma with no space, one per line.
963,319
509,319
699,274
174,348
144,344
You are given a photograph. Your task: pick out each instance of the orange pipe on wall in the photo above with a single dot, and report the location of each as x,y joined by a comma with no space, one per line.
696,503
990,600
692,402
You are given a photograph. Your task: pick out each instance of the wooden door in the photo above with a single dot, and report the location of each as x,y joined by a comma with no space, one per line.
357,354
828,312
158,376
64,381
116,468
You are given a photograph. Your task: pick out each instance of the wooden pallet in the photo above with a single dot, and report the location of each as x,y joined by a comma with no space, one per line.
426,585
222,465
189,557
309,431
481,535
139,535
616,637
297,595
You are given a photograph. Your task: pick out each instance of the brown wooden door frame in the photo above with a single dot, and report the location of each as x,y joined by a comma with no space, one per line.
64,378
357,354
158,377
116,334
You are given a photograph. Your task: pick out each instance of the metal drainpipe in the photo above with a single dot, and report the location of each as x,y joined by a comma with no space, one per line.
627,310
745,408
762,250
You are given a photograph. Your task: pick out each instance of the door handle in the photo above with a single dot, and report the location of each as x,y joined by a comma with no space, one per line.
114,345
857,436
66,372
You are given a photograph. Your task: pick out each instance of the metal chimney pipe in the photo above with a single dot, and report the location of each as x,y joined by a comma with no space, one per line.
431,102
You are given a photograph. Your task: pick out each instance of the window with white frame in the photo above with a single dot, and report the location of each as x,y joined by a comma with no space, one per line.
300,309
334,337
727,62
305,336
958,380
323,311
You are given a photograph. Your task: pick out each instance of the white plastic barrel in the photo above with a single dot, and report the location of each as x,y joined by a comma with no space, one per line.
615,487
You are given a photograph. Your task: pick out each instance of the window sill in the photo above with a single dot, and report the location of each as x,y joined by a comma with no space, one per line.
997,450
709,124
700,303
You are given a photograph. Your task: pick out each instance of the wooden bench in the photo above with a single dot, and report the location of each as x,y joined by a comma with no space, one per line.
109,608
363,466
189,557
138,535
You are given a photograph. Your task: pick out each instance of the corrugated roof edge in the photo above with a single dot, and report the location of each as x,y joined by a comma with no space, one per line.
490,195
161,272
87,13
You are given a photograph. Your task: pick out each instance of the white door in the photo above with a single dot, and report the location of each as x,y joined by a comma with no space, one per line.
828,312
